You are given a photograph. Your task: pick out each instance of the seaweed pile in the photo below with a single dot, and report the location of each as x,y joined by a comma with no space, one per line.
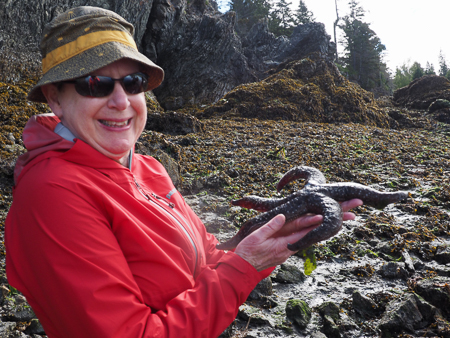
306,90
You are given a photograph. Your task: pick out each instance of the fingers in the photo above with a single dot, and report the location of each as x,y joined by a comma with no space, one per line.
353,203
304,222
273,226
347,205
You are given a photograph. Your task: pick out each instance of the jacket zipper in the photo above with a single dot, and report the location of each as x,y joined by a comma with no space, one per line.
171,205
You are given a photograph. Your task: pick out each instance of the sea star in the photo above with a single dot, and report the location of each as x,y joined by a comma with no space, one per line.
316,197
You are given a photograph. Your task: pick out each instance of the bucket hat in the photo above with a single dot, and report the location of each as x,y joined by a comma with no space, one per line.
84,39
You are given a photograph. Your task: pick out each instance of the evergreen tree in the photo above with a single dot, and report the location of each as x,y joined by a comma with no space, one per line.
362,60
302,15
281,19
248,13
443,68
416,70
429,70
402,76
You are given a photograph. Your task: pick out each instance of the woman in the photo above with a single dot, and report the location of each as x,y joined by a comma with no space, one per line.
98,239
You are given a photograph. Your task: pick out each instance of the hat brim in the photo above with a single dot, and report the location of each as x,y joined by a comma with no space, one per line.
93,59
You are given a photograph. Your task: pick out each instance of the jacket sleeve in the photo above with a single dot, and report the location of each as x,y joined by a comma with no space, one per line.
63,256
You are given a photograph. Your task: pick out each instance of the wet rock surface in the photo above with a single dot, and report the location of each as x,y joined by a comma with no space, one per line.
370,270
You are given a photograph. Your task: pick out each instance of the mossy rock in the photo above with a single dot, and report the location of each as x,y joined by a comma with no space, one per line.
307,90
299,312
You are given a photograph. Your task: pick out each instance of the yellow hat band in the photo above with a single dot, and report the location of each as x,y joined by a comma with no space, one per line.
84,43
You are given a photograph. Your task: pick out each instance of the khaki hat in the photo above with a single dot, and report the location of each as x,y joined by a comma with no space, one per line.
84,39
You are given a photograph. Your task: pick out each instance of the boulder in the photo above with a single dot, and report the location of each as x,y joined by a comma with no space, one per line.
299,312
407,314
422,92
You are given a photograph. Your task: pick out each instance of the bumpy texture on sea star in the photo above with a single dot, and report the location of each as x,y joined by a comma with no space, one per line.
316,197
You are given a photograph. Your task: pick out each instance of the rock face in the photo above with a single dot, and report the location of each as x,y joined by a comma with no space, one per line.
214,59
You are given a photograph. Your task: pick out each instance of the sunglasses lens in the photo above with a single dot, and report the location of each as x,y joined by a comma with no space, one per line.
100,86
135,83
95,86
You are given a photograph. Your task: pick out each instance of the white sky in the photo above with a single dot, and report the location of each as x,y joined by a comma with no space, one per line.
411,30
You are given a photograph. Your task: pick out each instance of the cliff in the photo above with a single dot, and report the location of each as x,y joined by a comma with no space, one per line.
214,58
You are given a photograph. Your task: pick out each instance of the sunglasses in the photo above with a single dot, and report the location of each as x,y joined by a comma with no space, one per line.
101,86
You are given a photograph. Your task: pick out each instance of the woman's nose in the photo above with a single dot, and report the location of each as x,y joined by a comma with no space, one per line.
118,99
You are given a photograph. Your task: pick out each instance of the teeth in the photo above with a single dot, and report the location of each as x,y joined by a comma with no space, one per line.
114,124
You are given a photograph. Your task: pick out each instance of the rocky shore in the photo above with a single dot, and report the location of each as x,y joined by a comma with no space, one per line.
233,115
386,274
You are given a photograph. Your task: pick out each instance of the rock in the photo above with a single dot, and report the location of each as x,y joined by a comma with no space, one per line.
265,51
307,90
317,335
364,305
406,313
438,104
264,288
330,327
442,254
35,327
422,92
305,40
436,291
401,314
9,330
174,123
253,315
298,312
260,295
408,261
211,209
18,309
330,313
168,153
214,58
329,309
394,270
289,274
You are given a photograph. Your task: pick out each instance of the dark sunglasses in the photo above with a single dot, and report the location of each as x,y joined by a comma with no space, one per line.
100,86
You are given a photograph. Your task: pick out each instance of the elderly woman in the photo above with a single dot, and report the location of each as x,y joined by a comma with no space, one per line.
98,239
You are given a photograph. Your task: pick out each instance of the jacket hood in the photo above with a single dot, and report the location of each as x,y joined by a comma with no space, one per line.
39,138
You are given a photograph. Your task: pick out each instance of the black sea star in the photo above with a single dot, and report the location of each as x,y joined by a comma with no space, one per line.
316,197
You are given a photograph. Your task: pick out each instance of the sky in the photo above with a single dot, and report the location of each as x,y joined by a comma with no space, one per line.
411,30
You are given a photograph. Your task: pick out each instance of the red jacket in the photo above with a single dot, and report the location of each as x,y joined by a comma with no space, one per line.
102,251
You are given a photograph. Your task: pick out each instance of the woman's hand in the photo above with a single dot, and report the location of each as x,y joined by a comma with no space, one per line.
267,246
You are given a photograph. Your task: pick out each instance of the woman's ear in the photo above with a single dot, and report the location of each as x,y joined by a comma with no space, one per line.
52,94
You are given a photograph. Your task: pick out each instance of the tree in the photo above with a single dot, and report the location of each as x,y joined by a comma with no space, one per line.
402,76
248,13
335,24
363,50
406,73
302,15
281,19
429,69
443,68
416,70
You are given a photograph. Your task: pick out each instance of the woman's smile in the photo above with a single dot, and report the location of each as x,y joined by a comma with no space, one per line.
115,124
